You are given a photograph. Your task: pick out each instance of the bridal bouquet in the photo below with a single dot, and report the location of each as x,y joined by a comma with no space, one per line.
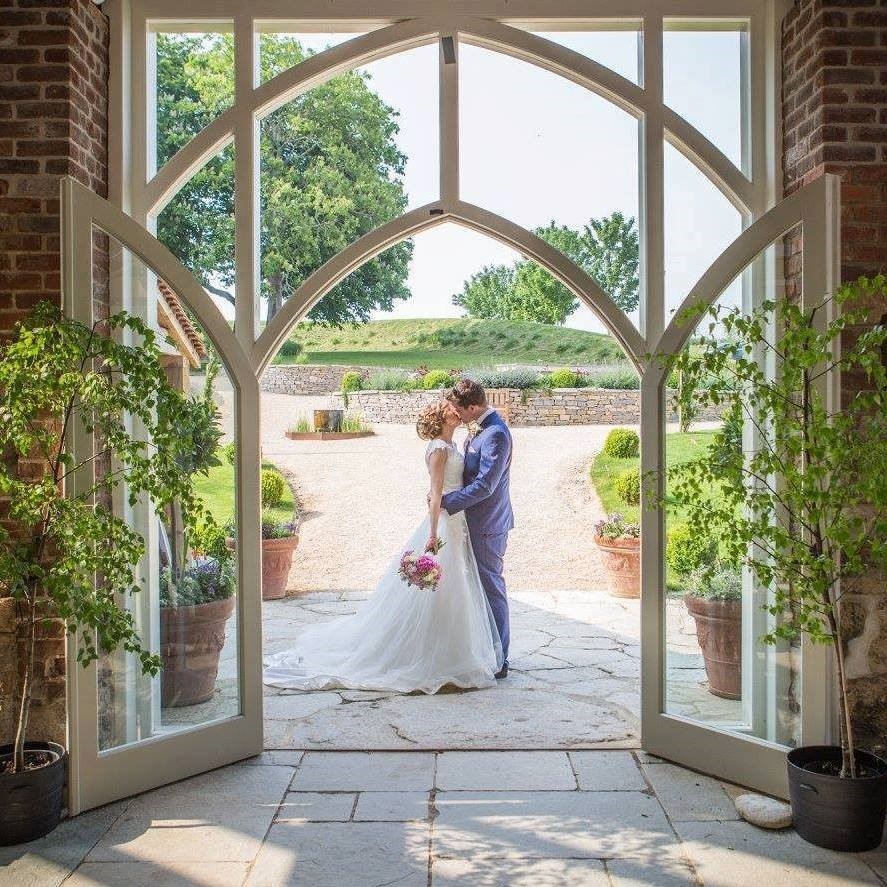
421,571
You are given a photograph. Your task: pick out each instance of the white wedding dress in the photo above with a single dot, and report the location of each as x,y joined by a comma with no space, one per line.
404,639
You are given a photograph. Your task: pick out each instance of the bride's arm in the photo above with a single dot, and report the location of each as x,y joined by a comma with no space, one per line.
436,463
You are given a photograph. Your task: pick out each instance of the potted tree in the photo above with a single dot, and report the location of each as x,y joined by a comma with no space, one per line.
806,511
620,546
58,378
714,600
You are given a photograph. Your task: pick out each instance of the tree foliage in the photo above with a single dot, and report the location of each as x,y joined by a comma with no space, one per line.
606,248
89,383
330,172
807,510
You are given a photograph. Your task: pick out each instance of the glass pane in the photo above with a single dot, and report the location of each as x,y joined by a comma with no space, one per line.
186,611
702,81
276,48
452,318
699,224
615,46
718,670
341,160
194,84
555,158
197,226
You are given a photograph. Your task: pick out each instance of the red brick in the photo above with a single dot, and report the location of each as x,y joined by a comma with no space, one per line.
43,148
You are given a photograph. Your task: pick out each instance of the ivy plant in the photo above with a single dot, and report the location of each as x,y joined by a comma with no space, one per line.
806,509
65,554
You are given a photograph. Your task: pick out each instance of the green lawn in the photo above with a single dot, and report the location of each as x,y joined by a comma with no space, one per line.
679,447
217,492
450,343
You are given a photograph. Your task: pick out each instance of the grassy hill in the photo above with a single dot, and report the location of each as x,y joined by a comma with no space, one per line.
448,343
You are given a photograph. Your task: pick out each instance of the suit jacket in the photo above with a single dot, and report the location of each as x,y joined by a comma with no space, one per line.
485,496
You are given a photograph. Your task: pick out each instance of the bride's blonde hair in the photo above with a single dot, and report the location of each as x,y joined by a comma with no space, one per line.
432,419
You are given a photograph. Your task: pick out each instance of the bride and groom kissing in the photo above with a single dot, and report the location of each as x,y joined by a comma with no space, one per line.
405,640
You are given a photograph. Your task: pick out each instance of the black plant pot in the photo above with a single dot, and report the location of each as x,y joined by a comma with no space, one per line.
840,814
31,801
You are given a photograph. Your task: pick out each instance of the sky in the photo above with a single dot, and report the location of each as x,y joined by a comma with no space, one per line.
535,147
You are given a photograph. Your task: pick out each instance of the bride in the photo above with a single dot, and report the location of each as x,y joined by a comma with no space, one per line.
403,639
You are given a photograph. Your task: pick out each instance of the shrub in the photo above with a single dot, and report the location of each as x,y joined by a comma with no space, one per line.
273,487
521,379
277,529
686,551
229,452
614,379
352,423
290,348
628,486
209,539
721,582
622,443
563,378
613,526
352,381
437,379
561,347
386,380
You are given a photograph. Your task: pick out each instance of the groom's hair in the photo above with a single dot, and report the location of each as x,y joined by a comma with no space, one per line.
466,393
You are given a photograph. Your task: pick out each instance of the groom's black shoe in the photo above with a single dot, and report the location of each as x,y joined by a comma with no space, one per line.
503,672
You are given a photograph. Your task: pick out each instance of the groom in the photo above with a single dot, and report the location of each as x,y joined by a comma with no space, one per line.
485,498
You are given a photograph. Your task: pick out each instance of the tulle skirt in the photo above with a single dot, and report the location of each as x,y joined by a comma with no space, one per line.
403,639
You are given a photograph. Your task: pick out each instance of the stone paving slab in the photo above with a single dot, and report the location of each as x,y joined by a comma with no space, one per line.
48,861
504,771
363,771
165,874
736,854
689,796
219,836
519,873
551,825
353,854
607,771
317,807
392,807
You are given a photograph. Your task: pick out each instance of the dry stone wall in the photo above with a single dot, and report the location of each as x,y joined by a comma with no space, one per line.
560,406
306,378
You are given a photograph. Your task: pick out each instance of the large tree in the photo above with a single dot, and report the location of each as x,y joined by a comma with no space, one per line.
606,248
330,172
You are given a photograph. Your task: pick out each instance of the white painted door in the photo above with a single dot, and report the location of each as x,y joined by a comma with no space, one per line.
129,732
707,716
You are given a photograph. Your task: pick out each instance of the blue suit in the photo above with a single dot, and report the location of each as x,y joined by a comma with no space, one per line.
487,505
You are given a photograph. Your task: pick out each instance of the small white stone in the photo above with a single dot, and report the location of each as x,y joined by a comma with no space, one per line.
763,811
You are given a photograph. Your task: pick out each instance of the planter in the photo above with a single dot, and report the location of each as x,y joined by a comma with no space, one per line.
840,814
328,420
719,632
327,435
277,558
622,562
191,640
31,801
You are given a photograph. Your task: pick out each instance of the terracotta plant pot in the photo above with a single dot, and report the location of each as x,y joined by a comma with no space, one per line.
277,558
719,632
191,640
622,561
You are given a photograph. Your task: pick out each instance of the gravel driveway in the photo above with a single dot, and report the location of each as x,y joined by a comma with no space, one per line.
363,498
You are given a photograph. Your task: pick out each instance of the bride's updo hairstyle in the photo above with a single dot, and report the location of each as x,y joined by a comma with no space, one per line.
431,420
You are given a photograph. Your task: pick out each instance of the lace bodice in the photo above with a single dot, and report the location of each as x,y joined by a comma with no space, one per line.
452,479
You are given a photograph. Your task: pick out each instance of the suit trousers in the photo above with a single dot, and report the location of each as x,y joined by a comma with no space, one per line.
489,552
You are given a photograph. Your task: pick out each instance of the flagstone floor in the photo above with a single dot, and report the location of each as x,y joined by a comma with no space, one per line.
423,819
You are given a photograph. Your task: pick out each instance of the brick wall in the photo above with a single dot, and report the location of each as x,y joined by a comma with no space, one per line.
835,120
53,122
